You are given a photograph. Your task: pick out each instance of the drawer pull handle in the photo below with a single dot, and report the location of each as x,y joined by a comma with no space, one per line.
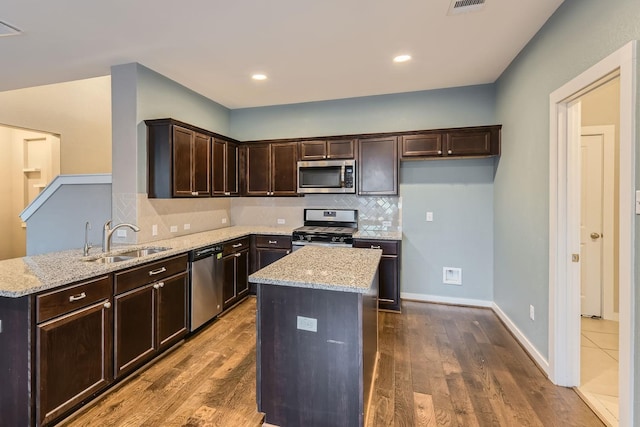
107,304
78,297
158,285
375,247
158,271
273,242
237,245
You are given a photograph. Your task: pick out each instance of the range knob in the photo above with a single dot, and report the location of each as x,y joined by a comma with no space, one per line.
334,239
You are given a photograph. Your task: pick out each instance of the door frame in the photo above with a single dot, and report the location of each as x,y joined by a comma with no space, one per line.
564,275
608,133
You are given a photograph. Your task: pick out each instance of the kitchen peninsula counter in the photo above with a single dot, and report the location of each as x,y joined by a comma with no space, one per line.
317,336
32,274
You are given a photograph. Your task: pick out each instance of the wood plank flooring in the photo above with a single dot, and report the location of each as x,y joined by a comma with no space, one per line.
439,366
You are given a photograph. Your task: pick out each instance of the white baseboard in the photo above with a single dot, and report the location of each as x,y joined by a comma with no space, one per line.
528,346
446,300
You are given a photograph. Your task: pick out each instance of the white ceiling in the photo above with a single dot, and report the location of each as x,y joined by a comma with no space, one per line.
310,50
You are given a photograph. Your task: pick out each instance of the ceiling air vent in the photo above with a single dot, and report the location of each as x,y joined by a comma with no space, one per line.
8,30
463,6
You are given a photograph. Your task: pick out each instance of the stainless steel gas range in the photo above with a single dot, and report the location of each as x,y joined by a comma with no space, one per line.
326,227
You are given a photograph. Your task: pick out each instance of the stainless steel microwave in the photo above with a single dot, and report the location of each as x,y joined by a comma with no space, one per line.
327,176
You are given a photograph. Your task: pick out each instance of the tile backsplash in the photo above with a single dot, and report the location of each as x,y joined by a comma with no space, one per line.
374,213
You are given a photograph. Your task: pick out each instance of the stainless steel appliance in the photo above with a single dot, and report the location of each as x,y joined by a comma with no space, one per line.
206,284
326,227
327,176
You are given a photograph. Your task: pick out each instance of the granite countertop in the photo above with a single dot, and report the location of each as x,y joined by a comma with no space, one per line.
28,275
378,235
319,267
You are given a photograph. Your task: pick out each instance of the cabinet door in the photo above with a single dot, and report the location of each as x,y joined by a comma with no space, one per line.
242,273
134,328
269,256
172,309
232,186
313,150
219,167
182,161
341,149
461,143
201,162
258,173
73,359
423,145
378,166
284,162
229,284
388,286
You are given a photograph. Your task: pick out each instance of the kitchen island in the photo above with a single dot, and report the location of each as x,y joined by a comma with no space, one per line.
317,336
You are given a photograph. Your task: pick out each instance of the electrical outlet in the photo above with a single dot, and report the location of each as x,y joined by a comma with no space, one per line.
429,216
281,221
121,233
224,220
386,223
532,312
154,230
307,324
173,229
187,226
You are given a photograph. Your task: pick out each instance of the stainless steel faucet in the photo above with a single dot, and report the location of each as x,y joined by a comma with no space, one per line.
108,231
87,244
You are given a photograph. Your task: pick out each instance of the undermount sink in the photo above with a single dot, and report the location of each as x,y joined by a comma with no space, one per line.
137,253
125,256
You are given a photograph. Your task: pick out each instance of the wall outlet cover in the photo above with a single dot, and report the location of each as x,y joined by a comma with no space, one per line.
224,220
154,230
281,221
307,324
187,226
121,233
173,229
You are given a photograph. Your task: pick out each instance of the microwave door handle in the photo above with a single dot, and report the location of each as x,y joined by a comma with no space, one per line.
342,176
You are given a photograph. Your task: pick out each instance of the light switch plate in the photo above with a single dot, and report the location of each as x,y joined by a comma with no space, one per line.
638,202
154,230
429,216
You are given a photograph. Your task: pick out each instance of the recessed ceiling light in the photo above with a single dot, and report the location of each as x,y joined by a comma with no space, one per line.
8,30
402,58
259,77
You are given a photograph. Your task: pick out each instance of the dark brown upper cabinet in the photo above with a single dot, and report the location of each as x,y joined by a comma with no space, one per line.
225,171
329,149
378,166
179,160
461,142
271,169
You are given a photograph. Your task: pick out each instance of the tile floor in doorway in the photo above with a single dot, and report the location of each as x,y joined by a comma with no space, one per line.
599,366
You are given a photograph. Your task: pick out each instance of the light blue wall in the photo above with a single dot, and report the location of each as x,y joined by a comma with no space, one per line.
465,106
577,36
459,192
460,195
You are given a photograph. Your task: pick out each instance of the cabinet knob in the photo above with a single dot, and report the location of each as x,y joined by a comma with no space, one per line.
227,193
194,193
449,152
439,151
158,285
107,304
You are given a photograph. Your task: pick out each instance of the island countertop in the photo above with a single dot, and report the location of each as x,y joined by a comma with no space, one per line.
319,267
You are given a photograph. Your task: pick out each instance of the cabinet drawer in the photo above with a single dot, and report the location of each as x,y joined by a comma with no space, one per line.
138,276
61,301
423,145
389,247
272,241
235,246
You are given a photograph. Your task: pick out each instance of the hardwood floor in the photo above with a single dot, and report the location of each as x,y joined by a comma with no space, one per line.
439,366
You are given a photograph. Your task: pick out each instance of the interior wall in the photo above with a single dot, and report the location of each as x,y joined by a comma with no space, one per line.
578,35
140,94
602,107
6,191
444,187
79,111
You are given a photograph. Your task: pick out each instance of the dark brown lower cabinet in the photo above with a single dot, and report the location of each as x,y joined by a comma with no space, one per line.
389,271
74,359
149,319
236,277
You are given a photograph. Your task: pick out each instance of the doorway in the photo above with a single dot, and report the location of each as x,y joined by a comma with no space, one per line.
30,160
564,225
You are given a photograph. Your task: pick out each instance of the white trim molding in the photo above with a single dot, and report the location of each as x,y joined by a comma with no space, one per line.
446,300
564,275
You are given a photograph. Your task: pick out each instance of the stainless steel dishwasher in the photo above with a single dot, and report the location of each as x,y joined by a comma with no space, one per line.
206,284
